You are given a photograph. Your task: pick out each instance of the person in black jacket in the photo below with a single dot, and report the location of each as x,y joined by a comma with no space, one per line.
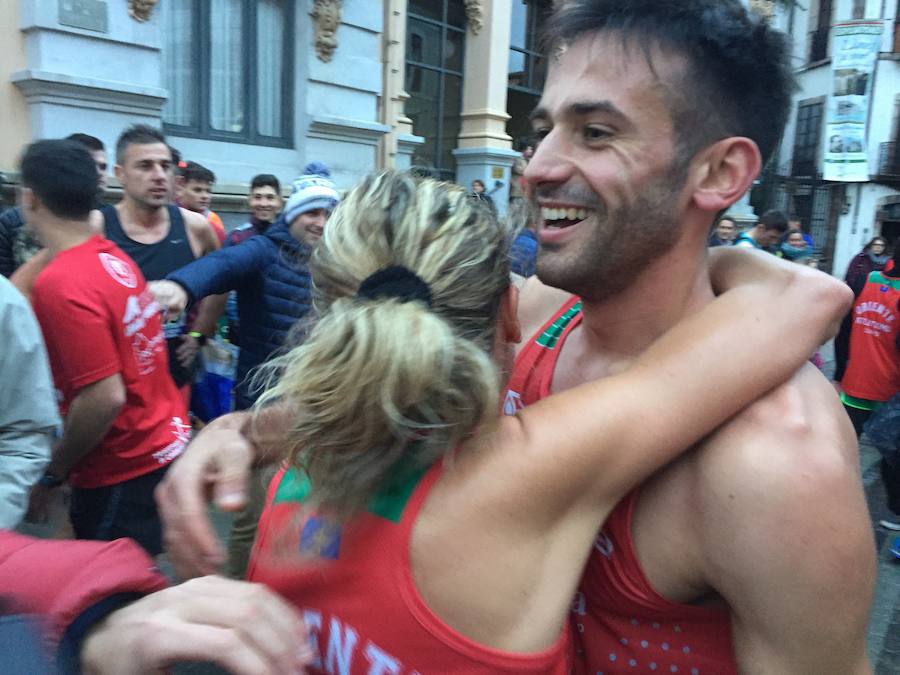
269,273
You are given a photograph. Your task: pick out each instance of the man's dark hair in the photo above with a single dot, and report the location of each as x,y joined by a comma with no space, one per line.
92,143
737,80
139,134
774,220
194,171
63,175
265,180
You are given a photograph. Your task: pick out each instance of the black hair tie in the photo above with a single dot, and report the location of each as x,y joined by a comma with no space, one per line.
395,282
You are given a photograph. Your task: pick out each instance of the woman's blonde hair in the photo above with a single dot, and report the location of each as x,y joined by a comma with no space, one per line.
382,384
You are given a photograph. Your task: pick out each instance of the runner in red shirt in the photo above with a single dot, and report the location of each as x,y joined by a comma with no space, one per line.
617,615
124,420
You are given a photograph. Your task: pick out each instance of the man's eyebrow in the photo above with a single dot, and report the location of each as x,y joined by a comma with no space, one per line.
582,108
589,107
539,113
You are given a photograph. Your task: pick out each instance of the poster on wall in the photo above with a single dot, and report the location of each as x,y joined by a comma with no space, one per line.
855,47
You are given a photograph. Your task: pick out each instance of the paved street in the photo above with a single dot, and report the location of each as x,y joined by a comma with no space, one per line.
884,629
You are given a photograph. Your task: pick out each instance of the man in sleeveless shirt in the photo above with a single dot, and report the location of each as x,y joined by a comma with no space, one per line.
753,552
158,235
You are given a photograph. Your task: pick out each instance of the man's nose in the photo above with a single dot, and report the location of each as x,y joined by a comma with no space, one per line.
551,162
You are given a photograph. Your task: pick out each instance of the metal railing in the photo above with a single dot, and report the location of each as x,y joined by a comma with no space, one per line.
804,166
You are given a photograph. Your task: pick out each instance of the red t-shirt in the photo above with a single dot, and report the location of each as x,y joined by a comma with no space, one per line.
99,319
620,622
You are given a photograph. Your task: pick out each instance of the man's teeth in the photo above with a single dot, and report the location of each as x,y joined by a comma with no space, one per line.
563,214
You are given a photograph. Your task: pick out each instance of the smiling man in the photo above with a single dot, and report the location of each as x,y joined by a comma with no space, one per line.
268,272
265,204
753,552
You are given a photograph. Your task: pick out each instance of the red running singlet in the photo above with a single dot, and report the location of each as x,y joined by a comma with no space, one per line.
873,372
620,623
354,586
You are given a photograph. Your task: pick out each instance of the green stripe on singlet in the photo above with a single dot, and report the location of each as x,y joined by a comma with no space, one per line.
550,337
388,503
859,403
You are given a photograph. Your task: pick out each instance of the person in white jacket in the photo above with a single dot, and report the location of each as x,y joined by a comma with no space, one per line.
28,413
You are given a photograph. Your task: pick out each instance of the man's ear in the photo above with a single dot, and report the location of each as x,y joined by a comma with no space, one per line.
726,170
509,315
119,172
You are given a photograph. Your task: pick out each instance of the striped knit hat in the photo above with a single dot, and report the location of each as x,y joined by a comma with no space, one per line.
311,191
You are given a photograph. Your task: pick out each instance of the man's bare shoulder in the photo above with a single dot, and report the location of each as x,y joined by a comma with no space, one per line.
782,530
194,220
199,228
537,303
791,440
779,488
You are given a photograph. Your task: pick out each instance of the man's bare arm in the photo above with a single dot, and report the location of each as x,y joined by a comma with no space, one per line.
203,238
785,535
211,309
90,416
214,467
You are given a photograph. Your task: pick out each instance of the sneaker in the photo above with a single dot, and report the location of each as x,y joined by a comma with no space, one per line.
890,525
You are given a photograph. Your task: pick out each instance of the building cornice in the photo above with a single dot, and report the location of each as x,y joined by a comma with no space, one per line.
41,86
344,128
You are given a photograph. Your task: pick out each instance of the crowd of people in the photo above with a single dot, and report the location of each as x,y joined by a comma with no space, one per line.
671,487
775,232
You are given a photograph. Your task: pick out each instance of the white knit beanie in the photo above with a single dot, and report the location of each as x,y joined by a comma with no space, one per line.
311,191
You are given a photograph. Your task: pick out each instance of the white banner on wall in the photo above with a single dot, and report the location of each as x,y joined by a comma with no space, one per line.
855,47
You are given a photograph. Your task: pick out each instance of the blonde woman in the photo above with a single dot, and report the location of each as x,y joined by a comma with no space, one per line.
417,530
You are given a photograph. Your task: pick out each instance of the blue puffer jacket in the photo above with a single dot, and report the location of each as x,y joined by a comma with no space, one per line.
269,273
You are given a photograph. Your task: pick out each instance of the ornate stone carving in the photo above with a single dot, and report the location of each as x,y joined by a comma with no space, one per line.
765,8
327,17
475,15
140,10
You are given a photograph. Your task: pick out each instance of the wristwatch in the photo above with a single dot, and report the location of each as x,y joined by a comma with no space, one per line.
50,480
199,337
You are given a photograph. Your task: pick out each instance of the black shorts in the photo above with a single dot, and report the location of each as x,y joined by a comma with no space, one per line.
125,509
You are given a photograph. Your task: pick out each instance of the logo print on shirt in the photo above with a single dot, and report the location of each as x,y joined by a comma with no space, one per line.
513,403
181,429
119,270
320,538
145,351
604,545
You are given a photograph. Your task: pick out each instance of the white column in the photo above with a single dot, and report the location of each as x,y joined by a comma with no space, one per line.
485,149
